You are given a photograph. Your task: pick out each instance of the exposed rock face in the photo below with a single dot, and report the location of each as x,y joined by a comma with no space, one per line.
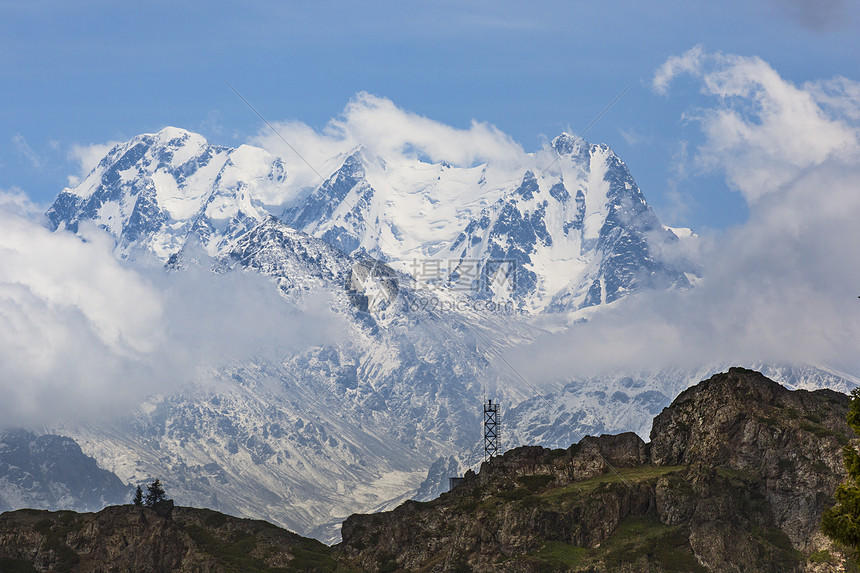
791,441
136,539
735,478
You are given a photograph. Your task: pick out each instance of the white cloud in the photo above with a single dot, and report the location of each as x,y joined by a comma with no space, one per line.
764,130
839,96
687,63
780,288
88,157
213,318
74,322
386,130
84,336
25,151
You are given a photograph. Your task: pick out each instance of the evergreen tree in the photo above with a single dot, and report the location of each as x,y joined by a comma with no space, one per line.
154,493
138,497
841,523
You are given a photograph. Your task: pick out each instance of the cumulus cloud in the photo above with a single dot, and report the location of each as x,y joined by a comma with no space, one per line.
389,131
781,288
213,318
839,97
764,130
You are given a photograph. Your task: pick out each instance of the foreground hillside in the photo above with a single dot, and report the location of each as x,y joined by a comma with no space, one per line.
735,478
131,539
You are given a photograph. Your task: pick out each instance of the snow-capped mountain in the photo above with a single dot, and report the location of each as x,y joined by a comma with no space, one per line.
432,271
576,233
571,235
156,191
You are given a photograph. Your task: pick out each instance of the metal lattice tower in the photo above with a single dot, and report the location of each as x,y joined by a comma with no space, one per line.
491,430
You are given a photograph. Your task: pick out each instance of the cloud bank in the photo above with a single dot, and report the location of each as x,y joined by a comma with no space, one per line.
73,322
782,287
83,336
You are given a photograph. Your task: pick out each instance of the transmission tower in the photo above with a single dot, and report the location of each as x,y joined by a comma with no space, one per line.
491,430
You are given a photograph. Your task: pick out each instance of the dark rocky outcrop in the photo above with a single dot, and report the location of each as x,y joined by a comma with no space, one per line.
789,442
735,478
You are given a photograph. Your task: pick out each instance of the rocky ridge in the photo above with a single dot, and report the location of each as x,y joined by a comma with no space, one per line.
735,478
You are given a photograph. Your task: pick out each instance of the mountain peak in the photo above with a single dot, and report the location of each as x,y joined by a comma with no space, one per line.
170,132
151,192
567,143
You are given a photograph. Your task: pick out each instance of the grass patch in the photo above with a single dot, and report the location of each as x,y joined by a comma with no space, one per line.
734,474
644,538
588,486
312,559
535,482
639,541
784,555
67,558
821,556
555,454
820,467
559,553
817,430
514,494
233,554
785,465
386,563
215,519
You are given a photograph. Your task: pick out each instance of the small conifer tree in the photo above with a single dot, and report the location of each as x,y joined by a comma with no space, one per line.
138,497
154,493
841,523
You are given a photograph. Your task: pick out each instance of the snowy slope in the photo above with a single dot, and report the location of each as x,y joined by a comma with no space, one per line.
306,441
154,192
572,235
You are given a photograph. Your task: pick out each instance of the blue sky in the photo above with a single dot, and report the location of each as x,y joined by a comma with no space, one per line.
93,71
